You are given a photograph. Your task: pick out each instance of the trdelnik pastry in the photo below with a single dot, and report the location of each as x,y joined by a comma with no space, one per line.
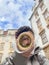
22,44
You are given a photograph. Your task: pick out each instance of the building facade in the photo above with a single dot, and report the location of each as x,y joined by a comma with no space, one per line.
6,40
40,24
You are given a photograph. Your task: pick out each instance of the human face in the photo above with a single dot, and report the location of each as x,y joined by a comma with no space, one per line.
27,41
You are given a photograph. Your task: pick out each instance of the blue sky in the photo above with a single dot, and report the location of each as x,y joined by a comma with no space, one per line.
15,13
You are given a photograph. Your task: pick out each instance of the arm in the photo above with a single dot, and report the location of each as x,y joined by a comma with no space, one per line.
7,61
40,57
43,60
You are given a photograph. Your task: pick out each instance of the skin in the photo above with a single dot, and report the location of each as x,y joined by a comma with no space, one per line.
27,53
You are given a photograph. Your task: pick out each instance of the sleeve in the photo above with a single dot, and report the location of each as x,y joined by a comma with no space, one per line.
7,62
43,60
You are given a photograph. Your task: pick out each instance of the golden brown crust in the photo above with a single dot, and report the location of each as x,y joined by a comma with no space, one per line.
25,48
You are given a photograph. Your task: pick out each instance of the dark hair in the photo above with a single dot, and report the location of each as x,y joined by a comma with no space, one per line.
23,29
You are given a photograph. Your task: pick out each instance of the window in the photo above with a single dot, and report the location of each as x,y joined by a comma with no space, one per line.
38,22
39,25
36,15
11,47
46,14
40,1
1,46
43,37
42,6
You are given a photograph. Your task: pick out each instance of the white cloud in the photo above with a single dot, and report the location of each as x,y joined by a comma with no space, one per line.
2,19
8,26
11,11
